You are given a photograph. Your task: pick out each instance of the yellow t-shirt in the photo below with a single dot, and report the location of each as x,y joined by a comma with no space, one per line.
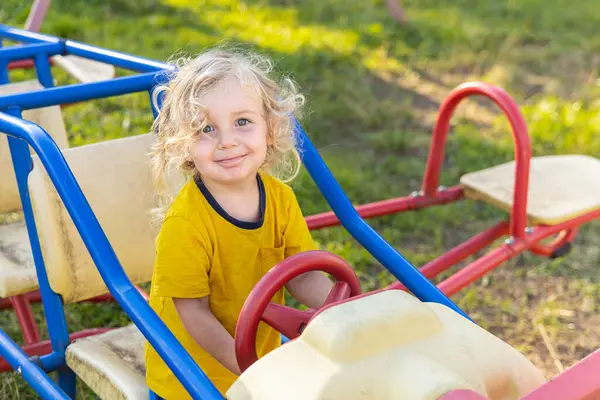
203,251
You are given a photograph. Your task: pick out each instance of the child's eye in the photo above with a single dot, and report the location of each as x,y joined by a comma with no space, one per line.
242,122
207,129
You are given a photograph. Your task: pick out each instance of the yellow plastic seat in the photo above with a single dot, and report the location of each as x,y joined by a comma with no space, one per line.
560,187
111,364
389,345
17,271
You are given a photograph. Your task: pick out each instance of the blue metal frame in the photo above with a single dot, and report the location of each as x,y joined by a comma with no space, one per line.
24,133
39,381
388,256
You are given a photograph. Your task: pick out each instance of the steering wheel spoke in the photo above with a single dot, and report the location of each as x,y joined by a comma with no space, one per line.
287,320
340,291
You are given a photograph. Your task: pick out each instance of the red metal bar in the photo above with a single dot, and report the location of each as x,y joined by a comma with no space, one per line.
34,297
390,206
522,147
566,236
541,232
459,253
488,262
31,333
44,347
22,306
579,382
480,267
25,64
5,303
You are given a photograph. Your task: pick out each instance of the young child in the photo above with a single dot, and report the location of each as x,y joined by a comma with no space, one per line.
226,124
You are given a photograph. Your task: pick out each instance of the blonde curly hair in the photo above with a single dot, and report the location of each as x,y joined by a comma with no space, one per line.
178,120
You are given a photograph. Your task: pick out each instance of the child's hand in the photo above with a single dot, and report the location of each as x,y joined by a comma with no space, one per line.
310,288
208,332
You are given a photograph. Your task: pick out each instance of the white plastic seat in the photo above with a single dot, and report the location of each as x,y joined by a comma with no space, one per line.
111,364
49,118
84,69
115,178
17,271
560,187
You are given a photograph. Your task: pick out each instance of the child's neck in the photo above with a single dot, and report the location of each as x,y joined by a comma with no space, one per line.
241,201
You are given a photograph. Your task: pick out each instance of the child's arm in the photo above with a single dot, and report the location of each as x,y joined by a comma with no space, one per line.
310,288
207,331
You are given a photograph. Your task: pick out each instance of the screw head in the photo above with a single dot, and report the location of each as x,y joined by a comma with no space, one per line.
19,370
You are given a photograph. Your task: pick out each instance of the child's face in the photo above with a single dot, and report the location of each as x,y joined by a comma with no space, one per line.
233,145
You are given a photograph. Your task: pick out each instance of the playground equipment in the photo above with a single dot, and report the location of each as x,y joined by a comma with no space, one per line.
82,69
88,233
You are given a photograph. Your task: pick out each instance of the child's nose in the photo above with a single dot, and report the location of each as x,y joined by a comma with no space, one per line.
228,138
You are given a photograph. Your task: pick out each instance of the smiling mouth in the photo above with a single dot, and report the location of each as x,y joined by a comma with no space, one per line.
231,162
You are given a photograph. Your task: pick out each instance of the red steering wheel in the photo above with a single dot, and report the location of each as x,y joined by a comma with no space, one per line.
287,320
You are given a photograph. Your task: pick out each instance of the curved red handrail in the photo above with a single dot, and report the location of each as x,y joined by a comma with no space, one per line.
435,158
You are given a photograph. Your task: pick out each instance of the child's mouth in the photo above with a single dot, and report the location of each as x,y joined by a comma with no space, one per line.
232,162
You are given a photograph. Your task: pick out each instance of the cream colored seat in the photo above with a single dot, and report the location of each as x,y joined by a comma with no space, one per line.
112,363
17,272
84,69
389,345
115,178
560,187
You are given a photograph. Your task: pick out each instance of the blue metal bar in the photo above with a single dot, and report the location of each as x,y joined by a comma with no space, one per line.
38,379
118,59
79,92
389,257
53,306
3,68
103,255
43,70
115,58
51,361
154,109
25,36
15,53
4,78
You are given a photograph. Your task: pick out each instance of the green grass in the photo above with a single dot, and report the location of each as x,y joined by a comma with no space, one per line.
373,90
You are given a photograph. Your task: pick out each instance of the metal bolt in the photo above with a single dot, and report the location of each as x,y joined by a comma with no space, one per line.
19,370
442,188
415,193
510,241
529,230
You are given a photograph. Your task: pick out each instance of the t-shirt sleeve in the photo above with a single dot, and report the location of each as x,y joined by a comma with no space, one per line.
297,236
182,261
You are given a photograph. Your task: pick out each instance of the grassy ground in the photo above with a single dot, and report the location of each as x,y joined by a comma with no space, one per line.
373,89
